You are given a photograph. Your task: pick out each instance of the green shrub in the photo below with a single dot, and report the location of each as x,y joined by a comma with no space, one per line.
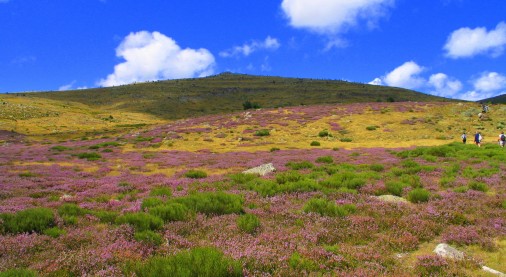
274,149
461,189
345,179
170,212
195,262
395,188
325,207
250,105
371,128
418,195
216,203
242,178
29,220
161,191
315,143
70,209
54,232
411,179
18,272
69,219
148,237
104,144
478,186
89,156
105,216
324,133
303,185
248,223
503,204
346,140
150,202
262,133
288,176
60,148
300,165
264,187
325,159
377,167
27,174
195,174
141,221
298,262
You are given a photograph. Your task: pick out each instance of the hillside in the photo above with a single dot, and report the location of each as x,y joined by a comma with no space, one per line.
175,99
500,99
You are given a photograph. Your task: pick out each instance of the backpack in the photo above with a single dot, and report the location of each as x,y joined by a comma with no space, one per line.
503,138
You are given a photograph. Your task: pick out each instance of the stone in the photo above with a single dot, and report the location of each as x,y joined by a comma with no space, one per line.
446,251
391,198
261,170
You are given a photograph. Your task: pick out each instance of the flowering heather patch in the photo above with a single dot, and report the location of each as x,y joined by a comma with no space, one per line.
318,214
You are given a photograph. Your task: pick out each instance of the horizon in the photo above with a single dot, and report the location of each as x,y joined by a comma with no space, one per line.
448,48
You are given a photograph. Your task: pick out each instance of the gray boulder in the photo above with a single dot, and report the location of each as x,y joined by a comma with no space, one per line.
261,170
446,251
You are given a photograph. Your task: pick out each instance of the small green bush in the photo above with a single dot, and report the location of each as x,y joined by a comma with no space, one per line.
18,272
345,140
141,221
195,174
29,220
60,148
212,203
242,178
105,216
300,165
503,204
104,144
264,187
325,159
170,212
324,133
315,143
461,189
274,149
70,209
150,202
478,186
298,262
161,191
27,174
395,188
148,237
89,156
371,128
250,105
418,195
288,176
262,133
54,232
195,262
377,167
325,207
248,223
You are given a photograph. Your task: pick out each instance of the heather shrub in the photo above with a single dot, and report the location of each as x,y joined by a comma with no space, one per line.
148,237
141,221
161,191
504,204
325,207
170,212
324,133
248,223
18,272
430,265
195,174
418,195
105,216
461,189
411,179
70,209
345,179
377,167
300,165
104,144
216,203
315,143
264,187
298,262
325,159
202,261
54,232
262,133
29,220
60,148
478,186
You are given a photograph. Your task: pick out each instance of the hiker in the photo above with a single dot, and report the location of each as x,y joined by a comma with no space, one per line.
480,116
464,138
478,138
502,139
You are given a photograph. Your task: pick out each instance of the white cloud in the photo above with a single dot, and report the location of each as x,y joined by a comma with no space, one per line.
489,84
70,86
466,42
333,16
154,56
444,86
376,82
247,49
405,76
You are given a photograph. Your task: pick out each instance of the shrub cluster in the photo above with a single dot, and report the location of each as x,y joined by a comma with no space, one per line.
29,220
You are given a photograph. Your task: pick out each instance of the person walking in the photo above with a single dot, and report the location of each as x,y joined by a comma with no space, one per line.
464,138
502,139
478,138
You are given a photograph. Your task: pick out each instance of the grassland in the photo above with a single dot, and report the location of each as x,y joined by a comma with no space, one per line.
103,189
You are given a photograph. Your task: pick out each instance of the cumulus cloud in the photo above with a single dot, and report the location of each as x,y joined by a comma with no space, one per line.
154,56
70,86
248,48
334,16
405,76
488,84
443,85
466,42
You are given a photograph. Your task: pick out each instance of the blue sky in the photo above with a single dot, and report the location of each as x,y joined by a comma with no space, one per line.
451,48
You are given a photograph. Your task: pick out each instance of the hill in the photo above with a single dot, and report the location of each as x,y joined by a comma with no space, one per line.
183,98
500,99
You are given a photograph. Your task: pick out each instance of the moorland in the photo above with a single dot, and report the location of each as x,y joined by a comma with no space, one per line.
147,180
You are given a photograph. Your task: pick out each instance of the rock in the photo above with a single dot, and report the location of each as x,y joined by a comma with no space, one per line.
493,271
446,251
66,197
261,170
391,198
